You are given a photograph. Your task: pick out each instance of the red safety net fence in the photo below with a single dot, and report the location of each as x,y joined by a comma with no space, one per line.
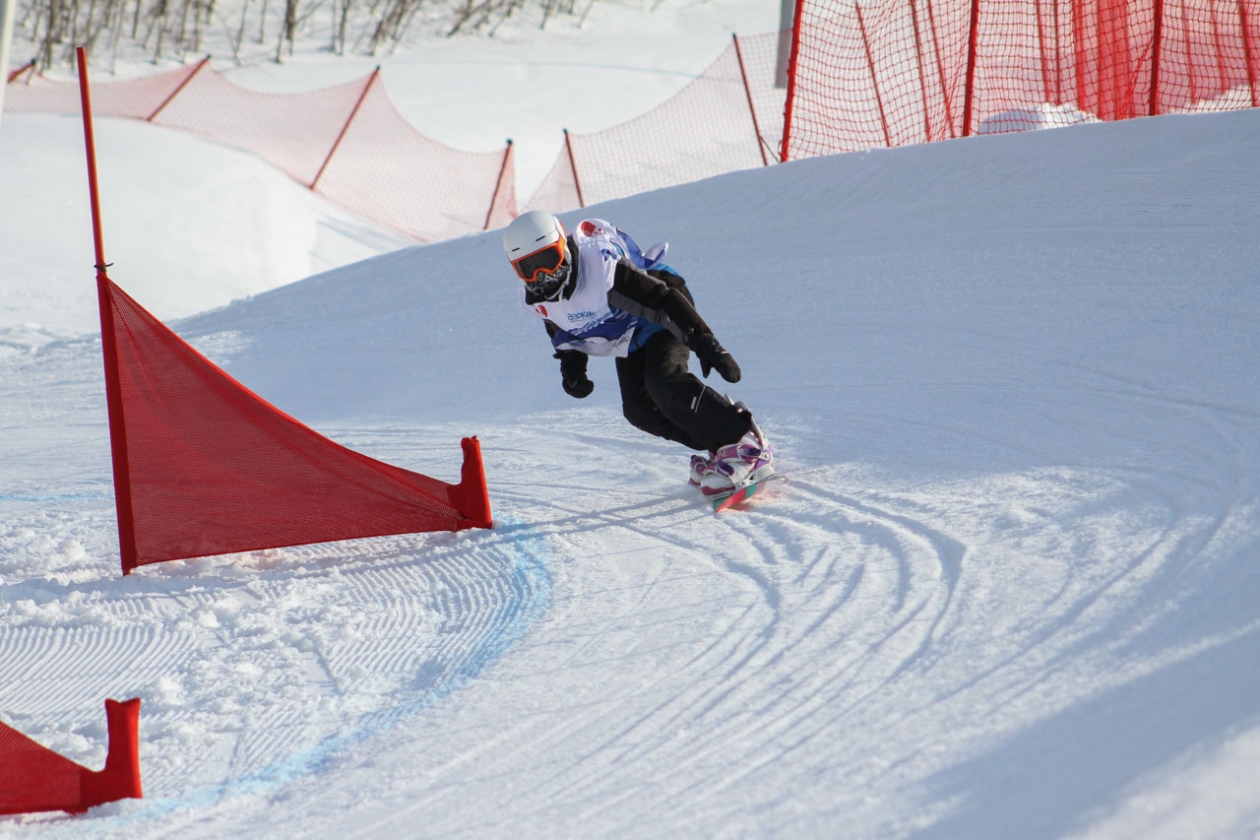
202,465
347,143
34,778
894,72
727,118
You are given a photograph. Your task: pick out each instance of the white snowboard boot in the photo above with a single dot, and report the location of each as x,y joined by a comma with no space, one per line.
748,460
700,465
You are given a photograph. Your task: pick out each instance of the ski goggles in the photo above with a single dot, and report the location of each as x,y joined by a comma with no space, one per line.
545,261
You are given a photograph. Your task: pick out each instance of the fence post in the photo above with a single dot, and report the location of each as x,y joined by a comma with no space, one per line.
498,185
918,48
354,113
1248,56
940,71
577,182
761,144
970,89
1188,58
1041,53
179,89
1153,108
870,61
1221,75
784,144
18,72
1058,55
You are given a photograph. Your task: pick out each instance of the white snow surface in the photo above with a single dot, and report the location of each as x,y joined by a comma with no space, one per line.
1008,589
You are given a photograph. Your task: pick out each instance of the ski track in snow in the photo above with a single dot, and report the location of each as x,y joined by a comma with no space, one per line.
750,640
253,669
832,610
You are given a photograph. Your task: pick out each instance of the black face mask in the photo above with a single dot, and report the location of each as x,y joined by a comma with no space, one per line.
547,286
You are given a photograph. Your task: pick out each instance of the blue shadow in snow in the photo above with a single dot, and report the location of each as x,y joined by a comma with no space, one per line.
1055,777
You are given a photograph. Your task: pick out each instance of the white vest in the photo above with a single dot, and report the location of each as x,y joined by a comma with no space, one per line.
586,321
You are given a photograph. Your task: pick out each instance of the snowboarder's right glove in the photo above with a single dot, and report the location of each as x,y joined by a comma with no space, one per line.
573,374
712,356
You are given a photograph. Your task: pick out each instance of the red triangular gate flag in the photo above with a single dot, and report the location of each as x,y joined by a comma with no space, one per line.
34,778
202,465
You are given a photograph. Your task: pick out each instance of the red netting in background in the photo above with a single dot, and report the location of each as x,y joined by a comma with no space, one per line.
34,778
385,171
706,129
204,466
136,98
293,131
875,73
365,156
893,72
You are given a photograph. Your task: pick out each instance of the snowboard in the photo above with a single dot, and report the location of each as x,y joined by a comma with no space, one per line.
743,494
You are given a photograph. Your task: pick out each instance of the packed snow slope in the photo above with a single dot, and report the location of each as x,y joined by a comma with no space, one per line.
1009,588
197,224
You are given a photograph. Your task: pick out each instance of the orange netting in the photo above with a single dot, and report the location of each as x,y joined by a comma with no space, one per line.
706,129
346,142
861,74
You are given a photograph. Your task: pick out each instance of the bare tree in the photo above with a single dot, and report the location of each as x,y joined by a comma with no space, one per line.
287,30
179,26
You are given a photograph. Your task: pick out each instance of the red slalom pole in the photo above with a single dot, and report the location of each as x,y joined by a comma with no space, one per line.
89,138
109,349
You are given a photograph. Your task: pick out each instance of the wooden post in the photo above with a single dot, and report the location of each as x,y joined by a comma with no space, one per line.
30,67
761,144
179,89
354,113
577,182
498,185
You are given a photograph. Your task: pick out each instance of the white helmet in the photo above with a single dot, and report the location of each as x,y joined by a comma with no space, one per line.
535,245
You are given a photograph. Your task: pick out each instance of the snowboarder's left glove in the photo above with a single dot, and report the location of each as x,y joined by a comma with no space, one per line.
578,386
573,374
713,356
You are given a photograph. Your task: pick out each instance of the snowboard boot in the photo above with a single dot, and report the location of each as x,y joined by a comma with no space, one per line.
747,461
700,465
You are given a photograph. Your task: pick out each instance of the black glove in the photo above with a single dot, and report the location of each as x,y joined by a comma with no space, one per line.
578,385
573,374
713,357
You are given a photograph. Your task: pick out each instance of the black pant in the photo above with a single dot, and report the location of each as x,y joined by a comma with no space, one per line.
661,397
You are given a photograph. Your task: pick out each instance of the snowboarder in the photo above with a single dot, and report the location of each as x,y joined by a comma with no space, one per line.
598,294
